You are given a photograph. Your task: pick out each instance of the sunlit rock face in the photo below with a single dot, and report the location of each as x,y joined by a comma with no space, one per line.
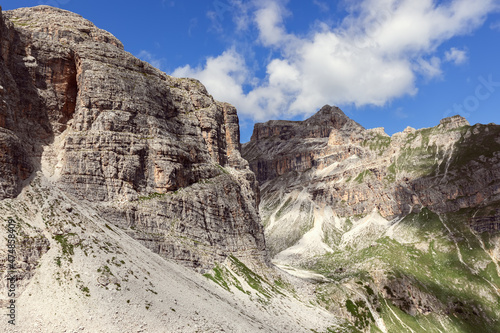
353,170
157,154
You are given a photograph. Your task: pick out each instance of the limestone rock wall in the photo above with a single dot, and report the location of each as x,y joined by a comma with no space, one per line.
281,146
113,131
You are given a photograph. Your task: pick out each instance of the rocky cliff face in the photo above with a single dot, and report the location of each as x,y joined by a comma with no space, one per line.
156,155
353,170
281,146
402,230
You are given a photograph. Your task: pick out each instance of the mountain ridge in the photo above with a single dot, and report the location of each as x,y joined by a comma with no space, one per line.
400,232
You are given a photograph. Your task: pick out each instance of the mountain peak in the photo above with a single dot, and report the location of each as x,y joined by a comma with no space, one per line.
331,116
318,125
454,122
59,26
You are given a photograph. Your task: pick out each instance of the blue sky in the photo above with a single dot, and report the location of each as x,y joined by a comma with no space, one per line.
386,63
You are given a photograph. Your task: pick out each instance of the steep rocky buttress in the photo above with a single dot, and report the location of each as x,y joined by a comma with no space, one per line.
156,155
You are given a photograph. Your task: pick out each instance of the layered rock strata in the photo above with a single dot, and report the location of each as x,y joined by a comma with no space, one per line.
157,155
354,171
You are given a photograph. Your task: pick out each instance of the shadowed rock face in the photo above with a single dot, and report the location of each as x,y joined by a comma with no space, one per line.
157,155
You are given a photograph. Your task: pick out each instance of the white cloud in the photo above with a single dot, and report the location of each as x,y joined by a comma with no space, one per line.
241,14
269,18
373,56
224,75
495,25
323,6
151,58
456,56
429,68
238,10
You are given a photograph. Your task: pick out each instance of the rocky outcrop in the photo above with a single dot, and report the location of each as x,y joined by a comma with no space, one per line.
19,265
490,222
279,146
157,155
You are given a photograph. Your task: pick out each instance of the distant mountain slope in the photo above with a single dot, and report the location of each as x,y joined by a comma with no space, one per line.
405,229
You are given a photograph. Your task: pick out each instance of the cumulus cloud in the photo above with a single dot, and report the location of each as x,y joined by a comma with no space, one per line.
223,75
456,56
376,54
241,14
269,18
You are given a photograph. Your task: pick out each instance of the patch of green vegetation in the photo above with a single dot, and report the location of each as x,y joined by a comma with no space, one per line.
16,22
283,207
423,223
342,328
369,290
104,270
361,176
67,248
426,133
115,262
221,169
360,312
227,278
465,285
254,280
108,227
270,205
280,283
218,277
378,143
85,290
420,161
391,173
